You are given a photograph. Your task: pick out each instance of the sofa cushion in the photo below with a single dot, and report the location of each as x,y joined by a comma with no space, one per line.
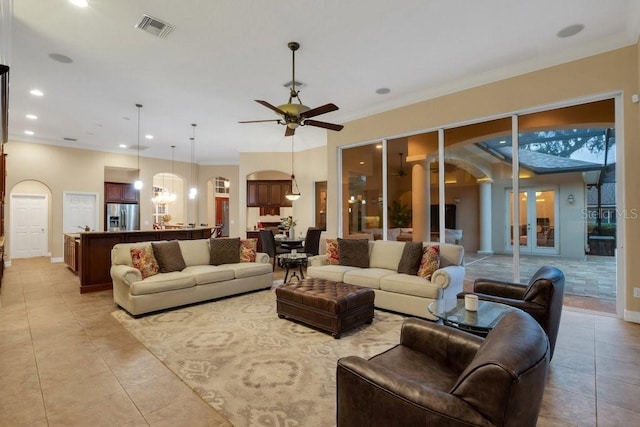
451,255
329,272
142,258
333,255
169,256
248,248
367,277
162,283
209,273
430,261
195,252
411,257
386,254
354,252
249,269
410,285
224,251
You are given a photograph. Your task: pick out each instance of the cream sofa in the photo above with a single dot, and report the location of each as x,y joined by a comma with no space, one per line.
402,293
199,281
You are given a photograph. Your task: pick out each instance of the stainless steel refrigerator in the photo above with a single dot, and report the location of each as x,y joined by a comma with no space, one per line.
122,217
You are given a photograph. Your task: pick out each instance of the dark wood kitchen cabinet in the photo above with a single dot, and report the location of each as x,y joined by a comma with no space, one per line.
117,192
268,193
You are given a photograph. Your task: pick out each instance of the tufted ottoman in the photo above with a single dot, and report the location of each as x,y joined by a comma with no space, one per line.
327,305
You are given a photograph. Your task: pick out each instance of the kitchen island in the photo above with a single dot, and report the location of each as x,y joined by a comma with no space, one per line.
94,251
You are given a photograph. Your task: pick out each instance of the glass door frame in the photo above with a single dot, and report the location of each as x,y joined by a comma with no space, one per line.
532,248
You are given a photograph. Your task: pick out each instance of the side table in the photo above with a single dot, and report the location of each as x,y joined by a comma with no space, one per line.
293,260
453,313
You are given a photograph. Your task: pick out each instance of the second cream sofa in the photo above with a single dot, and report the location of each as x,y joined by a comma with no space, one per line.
395,291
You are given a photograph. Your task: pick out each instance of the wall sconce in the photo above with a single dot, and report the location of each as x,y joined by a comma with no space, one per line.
570,198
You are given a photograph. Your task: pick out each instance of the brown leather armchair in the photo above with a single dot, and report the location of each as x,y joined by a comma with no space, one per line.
542,297
442,376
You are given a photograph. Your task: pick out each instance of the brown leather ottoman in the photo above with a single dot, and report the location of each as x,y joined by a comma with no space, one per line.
330,306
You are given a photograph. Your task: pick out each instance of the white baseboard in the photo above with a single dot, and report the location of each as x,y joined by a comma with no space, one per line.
55,260
632,316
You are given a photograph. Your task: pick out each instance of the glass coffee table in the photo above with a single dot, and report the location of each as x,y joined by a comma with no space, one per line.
452,313
293,260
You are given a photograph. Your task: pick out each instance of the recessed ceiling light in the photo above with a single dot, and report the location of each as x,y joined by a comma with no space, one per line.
383,91
36,92
29,132
362,163
149,136
31,117
569,31
503,142
123,145
58,57
79,3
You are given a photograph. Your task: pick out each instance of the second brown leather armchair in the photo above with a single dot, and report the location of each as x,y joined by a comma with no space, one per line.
542,297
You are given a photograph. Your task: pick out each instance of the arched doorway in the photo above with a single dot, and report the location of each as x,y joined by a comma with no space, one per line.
29,220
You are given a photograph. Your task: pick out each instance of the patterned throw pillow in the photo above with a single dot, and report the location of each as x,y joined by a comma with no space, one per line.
143,260
248,250
333,256
411,258
169,256
430,261
354,252
224,250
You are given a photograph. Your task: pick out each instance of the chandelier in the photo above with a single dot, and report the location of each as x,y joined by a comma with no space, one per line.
164,197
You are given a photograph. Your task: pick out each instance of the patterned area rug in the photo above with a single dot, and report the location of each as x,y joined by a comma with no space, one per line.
251,366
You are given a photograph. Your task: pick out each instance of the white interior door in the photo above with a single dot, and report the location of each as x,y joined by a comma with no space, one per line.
79,211
29,231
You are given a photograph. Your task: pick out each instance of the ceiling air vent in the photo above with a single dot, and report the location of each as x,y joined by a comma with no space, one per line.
154,26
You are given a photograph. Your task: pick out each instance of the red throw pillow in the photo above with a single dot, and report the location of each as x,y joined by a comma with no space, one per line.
333,256
144,260
430,261
248,250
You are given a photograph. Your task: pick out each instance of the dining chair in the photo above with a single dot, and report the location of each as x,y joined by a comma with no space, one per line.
312,241
268,241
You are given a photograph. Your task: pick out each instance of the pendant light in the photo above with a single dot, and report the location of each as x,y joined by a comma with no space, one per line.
138,184
193,191
294,194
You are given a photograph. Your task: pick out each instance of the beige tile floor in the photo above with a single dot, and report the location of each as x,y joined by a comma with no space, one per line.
64,361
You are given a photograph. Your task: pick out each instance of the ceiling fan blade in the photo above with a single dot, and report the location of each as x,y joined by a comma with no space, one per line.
289,131
260,121
271,107
319,110
325,125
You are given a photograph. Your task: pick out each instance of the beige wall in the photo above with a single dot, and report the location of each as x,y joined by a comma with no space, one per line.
310,166
68,169
608,73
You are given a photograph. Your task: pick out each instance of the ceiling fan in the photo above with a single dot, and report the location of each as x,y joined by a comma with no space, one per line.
400,171
297,114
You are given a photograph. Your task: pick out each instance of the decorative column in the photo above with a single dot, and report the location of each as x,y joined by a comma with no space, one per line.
486,246
419,202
